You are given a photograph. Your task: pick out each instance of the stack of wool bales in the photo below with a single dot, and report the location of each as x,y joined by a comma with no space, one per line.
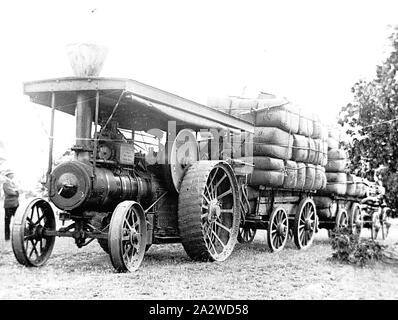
289,147
336,165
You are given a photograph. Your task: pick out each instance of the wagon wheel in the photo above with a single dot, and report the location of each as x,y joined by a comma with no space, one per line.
31,246
127,236
356,219
385,224
304,224
375,225
341,219
278,229
208,211
246,235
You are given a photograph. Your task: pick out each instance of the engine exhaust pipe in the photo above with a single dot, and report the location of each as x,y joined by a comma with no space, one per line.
86,61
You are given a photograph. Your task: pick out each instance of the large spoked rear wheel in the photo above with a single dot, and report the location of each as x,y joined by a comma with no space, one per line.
246,235
208,211
304,224
127,236
278,229
31,246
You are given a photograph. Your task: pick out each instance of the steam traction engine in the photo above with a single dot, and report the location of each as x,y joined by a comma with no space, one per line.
125,198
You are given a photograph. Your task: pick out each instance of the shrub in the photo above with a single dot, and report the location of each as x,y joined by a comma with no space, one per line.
351,249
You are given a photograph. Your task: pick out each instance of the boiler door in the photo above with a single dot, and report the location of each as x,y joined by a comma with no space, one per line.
70,185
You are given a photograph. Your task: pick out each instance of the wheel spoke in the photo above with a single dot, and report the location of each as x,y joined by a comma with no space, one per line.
227,210
209,194
222,226
229,191
220,181
207,199
218,238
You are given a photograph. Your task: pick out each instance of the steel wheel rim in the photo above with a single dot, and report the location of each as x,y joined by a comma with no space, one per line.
373,229
217,214
131,239
30,245
356,223
278,229
305,224
127,236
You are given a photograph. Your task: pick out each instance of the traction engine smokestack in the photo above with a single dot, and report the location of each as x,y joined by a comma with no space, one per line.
86,61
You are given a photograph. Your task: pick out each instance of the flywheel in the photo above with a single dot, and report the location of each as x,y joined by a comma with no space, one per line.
181,154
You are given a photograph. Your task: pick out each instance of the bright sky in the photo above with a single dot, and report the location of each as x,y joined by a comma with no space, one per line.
311,52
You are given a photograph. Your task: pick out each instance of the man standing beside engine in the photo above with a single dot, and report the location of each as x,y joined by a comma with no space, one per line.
11,202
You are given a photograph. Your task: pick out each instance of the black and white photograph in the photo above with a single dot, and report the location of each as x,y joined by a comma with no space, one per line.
212,152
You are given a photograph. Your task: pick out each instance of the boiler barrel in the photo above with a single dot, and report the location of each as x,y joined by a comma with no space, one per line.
73,186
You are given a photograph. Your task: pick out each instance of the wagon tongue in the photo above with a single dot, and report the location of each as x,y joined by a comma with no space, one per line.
86,59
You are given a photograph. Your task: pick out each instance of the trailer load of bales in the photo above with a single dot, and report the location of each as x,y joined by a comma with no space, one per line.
289,146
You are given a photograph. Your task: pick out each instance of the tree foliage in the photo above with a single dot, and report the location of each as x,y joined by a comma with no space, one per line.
371,121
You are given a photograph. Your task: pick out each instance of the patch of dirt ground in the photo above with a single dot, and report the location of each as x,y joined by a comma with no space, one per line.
251,272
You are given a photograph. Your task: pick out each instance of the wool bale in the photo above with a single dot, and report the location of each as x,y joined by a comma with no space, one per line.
311,151
321,155
290,181
336,187
317,128
284,117
265,163
305,124
272,142
336,165
361,189
272,151
333,177
301,171
325,153
270,178
351,185
319,177
300,148
337,154
248,116
309,176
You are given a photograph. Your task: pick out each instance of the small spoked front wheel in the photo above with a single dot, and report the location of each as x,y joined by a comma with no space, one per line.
278,229
31,245
127,236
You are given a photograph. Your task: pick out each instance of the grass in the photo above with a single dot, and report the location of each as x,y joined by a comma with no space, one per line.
251,272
